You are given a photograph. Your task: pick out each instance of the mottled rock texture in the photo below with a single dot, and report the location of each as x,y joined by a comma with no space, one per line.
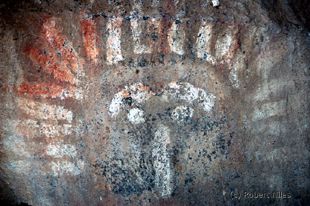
158,102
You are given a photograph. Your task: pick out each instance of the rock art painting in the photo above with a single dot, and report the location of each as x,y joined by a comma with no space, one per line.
157,102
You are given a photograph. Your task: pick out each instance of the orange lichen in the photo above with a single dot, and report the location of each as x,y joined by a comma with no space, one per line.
125,94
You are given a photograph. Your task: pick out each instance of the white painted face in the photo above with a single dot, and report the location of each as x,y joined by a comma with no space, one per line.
139,94
52,120
185,98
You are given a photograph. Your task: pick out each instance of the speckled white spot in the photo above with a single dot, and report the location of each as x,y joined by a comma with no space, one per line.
55,130
139,92
135,116
65,167
233,77
75,93
203,47
78,94
59,150
176,37
35,128
116,104
223,44
44,111
182,113
237,65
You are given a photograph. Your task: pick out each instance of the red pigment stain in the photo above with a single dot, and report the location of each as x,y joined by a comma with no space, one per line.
41,89
164,28
88,27
56,59
235,45
165,25
58,41
48,63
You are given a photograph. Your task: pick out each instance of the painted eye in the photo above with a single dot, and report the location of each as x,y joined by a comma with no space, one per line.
182,114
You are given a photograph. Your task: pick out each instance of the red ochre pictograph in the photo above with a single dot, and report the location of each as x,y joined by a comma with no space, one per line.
90,38
62,72
57,58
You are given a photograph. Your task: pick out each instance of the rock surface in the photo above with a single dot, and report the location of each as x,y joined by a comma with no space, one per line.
154,102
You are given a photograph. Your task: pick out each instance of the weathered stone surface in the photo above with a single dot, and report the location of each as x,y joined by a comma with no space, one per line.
168,102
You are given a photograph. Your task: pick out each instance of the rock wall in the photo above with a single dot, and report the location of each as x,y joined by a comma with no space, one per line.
168,102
